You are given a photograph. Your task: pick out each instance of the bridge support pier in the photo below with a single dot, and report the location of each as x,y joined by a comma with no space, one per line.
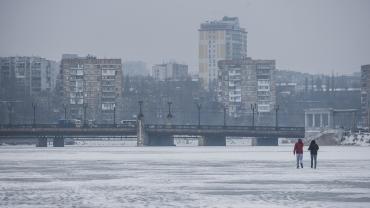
266,141
213,140
161,140
42,142
58,141
142,136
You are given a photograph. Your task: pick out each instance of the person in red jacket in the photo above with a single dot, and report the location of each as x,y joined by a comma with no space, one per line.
298,151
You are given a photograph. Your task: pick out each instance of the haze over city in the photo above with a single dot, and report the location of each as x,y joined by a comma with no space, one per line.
307,36
185,103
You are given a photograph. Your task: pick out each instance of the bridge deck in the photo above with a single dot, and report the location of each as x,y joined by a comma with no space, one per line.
246,131
152,129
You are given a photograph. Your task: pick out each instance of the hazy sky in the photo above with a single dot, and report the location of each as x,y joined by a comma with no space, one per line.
317,36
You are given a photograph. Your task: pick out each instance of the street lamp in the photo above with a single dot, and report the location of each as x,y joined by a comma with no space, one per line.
85,107
114,116
368,114
254,108
34,105
10,109
65,111
276,107
140,110
169,115
199,106
224,115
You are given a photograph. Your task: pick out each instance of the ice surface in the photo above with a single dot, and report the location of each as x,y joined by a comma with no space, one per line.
182,177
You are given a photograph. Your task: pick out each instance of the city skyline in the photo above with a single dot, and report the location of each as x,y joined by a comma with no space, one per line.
184,103
323,37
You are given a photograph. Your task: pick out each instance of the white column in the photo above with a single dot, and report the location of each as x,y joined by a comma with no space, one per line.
313,120
321,125
306,120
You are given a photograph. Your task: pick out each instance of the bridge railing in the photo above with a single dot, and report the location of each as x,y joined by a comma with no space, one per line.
214,127
156,126
27,126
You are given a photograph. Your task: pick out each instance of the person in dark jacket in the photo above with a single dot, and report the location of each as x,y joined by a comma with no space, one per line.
298,151
313,148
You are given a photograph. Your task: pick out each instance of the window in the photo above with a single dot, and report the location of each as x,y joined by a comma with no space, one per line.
108,106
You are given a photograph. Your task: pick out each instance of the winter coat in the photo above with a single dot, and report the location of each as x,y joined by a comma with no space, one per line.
313,148
298,148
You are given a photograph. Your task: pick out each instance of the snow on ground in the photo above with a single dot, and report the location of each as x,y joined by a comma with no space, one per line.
339,137
361,138
230,176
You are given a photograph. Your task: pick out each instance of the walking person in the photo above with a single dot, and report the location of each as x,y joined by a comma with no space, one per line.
313,148
298,151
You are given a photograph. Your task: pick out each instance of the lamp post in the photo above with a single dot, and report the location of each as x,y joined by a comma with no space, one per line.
225,115
114,116
368,114
276,116
10,109
354,126
85,107
34,105
253,108
199,106
169,115
140,110
65,111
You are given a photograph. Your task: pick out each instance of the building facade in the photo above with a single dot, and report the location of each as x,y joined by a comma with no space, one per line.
27,76
91,86
219,40
246,82
318,118
365,95
170,71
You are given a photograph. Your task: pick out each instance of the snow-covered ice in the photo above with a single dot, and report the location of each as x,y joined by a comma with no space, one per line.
231,176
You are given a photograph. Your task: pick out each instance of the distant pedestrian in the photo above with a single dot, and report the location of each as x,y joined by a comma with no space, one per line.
313,148
298,151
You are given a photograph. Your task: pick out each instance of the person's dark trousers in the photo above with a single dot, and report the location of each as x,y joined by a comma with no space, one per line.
313,160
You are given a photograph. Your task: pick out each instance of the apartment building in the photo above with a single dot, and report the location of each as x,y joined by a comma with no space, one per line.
365,95
23,76
170,71
219,40
91,85
245,82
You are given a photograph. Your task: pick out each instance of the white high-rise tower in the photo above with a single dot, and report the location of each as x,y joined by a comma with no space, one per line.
219,40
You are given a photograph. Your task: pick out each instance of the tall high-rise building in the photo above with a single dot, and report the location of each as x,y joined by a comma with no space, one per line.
219,40
92,85
365,95
245,82
23,76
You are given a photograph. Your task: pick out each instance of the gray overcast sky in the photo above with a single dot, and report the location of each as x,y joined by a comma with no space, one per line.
317,36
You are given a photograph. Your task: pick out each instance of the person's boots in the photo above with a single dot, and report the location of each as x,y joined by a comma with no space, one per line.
301,165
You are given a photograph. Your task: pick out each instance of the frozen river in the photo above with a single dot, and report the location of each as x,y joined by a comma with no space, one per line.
182,177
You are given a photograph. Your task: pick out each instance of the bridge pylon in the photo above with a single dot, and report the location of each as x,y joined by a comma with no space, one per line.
142,136
58,141
42,141
212,140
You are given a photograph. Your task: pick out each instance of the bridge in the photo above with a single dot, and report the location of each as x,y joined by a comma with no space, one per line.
152,134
